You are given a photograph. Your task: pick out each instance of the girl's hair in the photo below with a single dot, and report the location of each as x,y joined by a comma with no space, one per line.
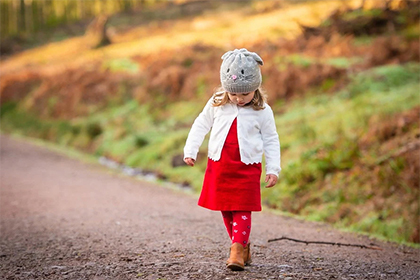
221,98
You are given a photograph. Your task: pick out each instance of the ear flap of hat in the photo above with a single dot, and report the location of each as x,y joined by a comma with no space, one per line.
227,54
257,58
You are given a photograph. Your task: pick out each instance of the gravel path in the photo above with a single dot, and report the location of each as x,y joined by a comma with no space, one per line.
66,219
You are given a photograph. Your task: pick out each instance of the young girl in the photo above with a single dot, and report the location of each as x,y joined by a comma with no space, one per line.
243,128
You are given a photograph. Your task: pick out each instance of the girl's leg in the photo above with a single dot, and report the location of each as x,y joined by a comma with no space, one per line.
241,227
228,220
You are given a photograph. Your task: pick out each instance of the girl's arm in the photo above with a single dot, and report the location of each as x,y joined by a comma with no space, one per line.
199,129
271,145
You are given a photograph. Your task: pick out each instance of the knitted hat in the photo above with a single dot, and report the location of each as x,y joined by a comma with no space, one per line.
240,71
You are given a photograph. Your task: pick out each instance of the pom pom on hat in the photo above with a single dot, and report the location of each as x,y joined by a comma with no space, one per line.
240,71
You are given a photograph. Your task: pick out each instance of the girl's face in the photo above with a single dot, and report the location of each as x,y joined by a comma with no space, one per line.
241,99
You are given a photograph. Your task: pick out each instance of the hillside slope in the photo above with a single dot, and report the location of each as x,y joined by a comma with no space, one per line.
346,104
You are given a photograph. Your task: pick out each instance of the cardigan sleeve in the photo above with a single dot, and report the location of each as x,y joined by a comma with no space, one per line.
271,143
201,126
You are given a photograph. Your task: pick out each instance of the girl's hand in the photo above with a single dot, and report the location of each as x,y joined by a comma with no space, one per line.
271,180
189,161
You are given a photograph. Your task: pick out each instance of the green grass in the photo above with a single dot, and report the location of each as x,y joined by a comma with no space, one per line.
306,61
321,135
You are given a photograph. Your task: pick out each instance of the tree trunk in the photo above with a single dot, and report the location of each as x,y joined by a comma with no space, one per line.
22,16
96,33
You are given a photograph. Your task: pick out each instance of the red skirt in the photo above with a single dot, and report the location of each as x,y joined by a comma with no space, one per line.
229,184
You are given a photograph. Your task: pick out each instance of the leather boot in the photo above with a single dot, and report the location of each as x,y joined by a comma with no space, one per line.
236,259
247,254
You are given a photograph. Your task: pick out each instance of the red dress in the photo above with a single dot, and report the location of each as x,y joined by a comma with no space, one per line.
229,184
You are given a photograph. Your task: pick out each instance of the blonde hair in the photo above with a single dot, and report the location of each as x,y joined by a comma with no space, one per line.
221,98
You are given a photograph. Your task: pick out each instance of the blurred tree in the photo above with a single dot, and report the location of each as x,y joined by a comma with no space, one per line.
96,34
22,16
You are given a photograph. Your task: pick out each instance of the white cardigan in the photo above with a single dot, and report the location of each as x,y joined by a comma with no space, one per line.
256,134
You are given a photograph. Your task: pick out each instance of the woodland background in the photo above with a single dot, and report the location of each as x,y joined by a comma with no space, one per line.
124,80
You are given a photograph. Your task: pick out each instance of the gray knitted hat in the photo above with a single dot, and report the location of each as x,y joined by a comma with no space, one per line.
240,71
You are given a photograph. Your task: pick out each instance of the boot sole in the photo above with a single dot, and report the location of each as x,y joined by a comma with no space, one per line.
235,267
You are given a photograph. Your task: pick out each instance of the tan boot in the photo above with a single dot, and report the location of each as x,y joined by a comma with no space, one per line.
247,254
236,259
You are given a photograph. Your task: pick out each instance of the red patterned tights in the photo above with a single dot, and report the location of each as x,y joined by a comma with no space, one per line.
238,225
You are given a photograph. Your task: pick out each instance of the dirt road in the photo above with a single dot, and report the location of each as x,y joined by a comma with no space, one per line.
65,219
